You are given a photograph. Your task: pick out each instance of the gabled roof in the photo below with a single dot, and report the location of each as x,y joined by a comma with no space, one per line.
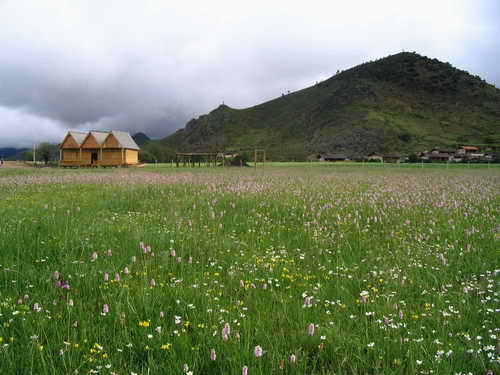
99,136
79,137
125,140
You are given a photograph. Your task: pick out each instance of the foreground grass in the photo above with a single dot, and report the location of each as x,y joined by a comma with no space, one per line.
329,271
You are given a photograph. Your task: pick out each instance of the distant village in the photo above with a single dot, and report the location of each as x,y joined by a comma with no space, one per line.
462,154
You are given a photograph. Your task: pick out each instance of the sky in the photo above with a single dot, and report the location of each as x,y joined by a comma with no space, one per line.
151,66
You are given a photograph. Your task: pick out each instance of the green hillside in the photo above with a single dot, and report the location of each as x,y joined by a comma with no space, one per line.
401,103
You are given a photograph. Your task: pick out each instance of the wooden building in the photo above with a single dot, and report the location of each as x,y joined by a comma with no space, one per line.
332,157
98,148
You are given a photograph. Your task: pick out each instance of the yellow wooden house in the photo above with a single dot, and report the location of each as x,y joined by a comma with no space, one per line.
98,148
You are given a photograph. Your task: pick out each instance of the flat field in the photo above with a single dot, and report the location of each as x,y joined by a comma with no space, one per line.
274,270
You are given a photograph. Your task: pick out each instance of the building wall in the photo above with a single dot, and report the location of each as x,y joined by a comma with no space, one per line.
132,156
111,157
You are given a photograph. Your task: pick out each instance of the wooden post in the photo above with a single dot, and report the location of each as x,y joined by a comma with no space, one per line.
255,157
177,160
60,156
264,161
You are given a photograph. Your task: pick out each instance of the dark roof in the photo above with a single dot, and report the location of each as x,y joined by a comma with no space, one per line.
334,156
437,156
391,156
445,150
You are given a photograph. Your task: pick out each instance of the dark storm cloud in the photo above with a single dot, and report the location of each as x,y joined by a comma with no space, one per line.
151,65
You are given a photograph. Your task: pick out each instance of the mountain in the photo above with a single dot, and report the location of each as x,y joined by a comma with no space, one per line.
141,139
401,103
7,152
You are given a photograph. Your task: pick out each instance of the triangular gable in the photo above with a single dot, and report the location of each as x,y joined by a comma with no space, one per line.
72,140
90,142
111,142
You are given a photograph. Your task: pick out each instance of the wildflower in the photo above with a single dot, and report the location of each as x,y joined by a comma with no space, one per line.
117,277
242,284
166,346
105,309
55,275
244,370
363,296
371,345
133,259
190,260
152,283
93,257
162,314
258,351
227,329
109,252
310,329
307,301
172,253
292,358
185,367
126,271
213,355
158,329
106,276
144,323
71,303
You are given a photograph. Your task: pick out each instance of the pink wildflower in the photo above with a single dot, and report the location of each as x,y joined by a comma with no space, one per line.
226,331
244,370
126,271
117,277
109,252
106,276
258,351
94,256
307,301
172,253
152,283
292,358
105,309
310,329
213,355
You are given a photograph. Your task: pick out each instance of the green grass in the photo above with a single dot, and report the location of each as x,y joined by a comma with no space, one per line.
396,267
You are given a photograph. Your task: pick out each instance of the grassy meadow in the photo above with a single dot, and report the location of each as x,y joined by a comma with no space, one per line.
275,270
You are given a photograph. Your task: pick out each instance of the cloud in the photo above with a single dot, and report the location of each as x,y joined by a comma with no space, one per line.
151,65
22,129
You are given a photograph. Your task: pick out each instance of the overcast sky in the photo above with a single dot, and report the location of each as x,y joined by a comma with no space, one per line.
152,65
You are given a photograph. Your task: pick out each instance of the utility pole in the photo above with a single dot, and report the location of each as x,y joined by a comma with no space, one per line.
34,154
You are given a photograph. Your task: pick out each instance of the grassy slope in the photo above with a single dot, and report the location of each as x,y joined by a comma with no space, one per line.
404,102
